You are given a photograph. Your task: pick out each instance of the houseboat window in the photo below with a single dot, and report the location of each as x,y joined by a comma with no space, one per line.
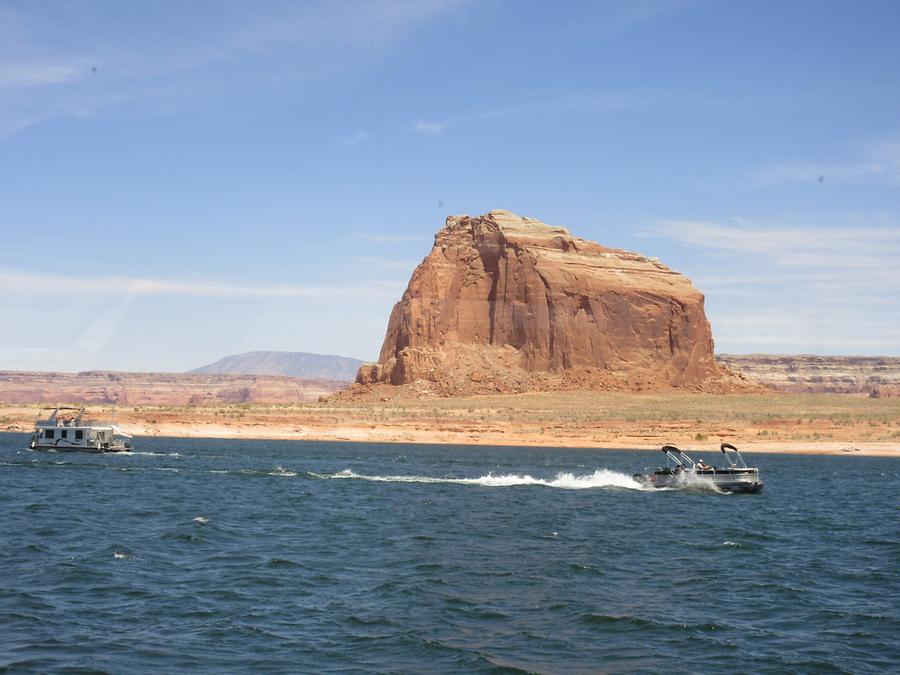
79,434
64,433
48,433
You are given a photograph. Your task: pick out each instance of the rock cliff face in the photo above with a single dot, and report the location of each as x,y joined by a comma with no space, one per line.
505,303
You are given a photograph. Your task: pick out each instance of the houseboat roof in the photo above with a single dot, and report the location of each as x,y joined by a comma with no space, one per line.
76,421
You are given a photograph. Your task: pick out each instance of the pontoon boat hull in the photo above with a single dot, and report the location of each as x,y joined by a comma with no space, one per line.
725,480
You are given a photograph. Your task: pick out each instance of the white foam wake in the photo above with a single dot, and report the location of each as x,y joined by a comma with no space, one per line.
135,453
567,481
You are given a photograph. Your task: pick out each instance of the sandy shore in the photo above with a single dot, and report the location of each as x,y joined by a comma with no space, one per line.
779,423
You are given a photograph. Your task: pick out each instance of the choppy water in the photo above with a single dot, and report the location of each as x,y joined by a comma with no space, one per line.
238,556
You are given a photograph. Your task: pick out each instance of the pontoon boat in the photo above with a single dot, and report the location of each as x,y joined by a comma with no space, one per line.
684,472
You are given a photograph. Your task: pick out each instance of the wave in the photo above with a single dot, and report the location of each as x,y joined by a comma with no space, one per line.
146,453
602,478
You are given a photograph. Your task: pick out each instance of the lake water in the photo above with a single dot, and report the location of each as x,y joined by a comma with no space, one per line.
239,556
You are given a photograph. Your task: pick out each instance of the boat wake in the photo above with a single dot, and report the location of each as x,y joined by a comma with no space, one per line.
135,453
602,478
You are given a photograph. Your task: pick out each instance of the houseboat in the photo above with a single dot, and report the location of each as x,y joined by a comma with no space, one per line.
66,430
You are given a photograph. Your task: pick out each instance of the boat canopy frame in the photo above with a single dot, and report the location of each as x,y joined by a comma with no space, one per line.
682,460
727,448
678,457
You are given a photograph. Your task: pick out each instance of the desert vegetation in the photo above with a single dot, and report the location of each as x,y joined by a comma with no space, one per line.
774,422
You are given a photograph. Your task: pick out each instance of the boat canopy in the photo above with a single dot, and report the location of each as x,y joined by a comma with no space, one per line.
728,447
677,456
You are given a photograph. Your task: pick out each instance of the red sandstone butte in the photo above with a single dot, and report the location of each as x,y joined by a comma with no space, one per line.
506,303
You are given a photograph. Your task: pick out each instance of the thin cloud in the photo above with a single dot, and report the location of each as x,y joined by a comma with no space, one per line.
46,78
859,248
104,286
339,23
14,75
42,359
793,289
356,138
99,332
802,330
876,162
387,238
572,104
385,263
431,128
620,17
15,125
435,128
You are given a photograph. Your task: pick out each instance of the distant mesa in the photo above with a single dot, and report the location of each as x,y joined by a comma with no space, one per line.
504,303
292,364
873,376
158,389
254,378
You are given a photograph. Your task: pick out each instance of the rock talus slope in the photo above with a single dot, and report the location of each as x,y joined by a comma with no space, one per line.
506,303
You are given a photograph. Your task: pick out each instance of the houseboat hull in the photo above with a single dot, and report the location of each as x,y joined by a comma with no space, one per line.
75,448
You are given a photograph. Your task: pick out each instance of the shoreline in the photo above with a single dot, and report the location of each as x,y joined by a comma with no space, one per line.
815,424
355,435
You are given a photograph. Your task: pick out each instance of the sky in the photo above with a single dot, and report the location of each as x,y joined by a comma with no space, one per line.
182,181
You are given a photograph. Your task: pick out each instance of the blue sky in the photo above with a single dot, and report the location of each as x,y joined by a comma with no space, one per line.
181,181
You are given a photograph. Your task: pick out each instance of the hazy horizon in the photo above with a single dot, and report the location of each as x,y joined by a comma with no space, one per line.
184,182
